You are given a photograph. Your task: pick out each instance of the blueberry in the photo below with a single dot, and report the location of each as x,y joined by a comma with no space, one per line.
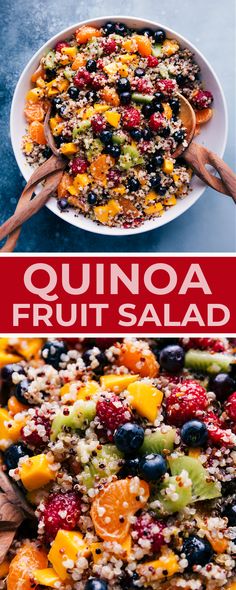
194,433
155,181
172,358
151,167
47,152
92,198
109,28
136,134
159,36
130,467
95,584
158,108
180,79
198,551
148,110
73,92
164,132
152,467
125,98
162,190
175,106
146,31
21,389
57,102
121,29
159,97
91,95
63,204
7,372
179,136
228,488
123,85
14,453
62,111
133,185
222,385
147,134
95,354
139,72
129,438
52,351
157,161
105,137
91,65
230,513
113,150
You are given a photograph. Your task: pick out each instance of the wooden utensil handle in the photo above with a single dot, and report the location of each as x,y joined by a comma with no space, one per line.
198,156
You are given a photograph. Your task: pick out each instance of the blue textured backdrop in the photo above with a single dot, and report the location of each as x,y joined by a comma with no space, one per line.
210,225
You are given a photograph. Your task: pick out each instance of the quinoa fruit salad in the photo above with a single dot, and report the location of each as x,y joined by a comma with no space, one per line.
118,464
115,115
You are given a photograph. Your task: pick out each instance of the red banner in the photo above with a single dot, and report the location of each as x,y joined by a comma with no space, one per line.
120,294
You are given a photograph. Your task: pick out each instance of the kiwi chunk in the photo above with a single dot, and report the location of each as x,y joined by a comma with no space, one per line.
142,98
157,50
173,495
103,462
78,418
130,157
200,360
158,441
202,488
50,60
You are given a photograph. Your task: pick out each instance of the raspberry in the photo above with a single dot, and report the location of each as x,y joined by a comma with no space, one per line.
187,400
62,511
152,61
148,528
230,407
131,118
166,86
144,146
144,86
98,123
156,121
202,99
109,46
82,78
114,176
100,64
59,46
99,81
217,435
36,433
112,413
79,166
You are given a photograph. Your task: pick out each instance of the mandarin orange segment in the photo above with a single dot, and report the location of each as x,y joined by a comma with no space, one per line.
144,45
34,111
39,73
65,182
115,505
78,62
37,135
137,357
203,116
110,96
86,33
100,166
27,559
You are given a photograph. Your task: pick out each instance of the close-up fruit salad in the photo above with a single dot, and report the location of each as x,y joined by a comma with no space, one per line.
118,464
113,95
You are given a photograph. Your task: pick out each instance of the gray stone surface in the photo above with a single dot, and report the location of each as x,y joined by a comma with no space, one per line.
210,24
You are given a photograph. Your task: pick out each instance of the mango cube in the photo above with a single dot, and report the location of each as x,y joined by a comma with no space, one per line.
85,392
167,166
10,429
113,118
68,149
154,209
145,399
67,545
7,358
70,52
117,383
36,472
46,577
34,94
153,570
167,110
170,46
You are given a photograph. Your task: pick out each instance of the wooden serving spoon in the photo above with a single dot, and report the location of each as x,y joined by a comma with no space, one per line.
197,156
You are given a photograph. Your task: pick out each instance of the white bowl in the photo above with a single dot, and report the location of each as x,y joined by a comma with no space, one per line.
213,134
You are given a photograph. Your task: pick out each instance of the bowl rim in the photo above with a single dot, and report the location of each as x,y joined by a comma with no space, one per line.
157,222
